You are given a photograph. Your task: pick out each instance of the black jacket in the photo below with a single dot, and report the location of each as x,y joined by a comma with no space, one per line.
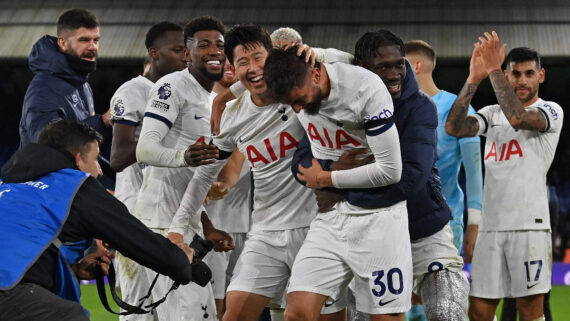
94,214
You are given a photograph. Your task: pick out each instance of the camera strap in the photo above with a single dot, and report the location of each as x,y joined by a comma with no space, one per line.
129,309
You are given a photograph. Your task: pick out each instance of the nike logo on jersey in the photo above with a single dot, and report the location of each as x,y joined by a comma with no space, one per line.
380,303
530,286
198,117
327,304
512,149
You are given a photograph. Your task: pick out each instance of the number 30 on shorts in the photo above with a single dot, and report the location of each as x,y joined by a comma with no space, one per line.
393,278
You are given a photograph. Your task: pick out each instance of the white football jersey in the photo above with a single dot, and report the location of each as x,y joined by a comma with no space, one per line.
232,213
127,107
268,137
180,102
516,163
356,96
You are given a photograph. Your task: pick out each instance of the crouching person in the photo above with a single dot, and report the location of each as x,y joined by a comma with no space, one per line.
49,196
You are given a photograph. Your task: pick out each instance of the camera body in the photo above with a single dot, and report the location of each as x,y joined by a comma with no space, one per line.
201,273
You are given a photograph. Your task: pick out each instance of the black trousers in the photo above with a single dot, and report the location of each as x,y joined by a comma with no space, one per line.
29,301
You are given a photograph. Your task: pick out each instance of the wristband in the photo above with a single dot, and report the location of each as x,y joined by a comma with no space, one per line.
473,216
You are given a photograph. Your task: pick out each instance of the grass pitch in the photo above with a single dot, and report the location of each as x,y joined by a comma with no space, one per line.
90,299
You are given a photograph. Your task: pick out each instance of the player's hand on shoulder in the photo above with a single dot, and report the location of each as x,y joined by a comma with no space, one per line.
352,158
201,154
310,54
223,242
469,240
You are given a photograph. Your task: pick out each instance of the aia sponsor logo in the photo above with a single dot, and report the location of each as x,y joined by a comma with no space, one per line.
323,136
505,151
267,154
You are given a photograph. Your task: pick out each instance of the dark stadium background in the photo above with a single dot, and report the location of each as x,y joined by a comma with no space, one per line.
451,27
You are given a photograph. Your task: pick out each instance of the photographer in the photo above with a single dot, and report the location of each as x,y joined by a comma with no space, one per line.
49,196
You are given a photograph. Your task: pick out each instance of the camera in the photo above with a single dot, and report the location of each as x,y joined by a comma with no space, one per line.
201,273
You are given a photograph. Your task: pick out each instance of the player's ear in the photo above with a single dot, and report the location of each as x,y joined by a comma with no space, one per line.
78,160
153,53
541,75
418,65
316,75
61,43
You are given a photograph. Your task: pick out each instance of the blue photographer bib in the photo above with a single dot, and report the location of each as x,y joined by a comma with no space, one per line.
32,216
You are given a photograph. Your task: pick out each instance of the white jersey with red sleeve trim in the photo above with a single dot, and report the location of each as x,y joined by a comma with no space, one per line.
127,107
357,97
178,101
516,163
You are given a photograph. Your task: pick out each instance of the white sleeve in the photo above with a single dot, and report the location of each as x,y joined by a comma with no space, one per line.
128,105
150,150
237,89
160,113
330,55
484,117
195,195
382,140
554,115
387,166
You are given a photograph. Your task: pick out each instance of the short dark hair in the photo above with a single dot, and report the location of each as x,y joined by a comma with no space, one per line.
69,136
246,35
367,46
420,47
158,30
75,19
200,24
522,54
284,70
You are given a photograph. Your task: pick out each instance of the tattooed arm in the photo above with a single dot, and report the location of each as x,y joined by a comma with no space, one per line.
458,124
520,117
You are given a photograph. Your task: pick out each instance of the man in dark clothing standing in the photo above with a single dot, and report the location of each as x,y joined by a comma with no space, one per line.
49,196
438,278
61,67
59,89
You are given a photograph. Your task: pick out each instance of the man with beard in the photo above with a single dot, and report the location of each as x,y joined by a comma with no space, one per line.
267,134
61,66
513,252
166,51
435,259
343,107
172,141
